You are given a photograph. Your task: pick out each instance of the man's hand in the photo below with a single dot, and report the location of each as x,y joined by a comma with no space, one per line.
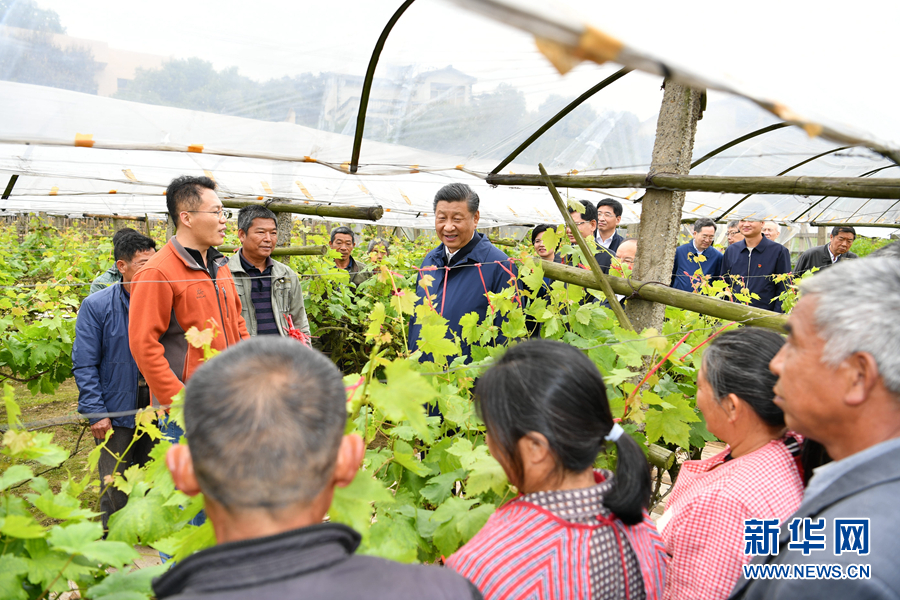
100,428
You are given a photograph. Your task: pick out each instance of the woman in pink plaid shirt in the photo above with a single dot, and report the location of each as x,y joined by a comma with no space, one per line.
757,476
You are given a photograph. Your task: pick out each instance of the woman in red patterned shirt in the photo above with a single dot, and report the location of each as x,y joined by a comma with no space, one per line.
574,532
756,477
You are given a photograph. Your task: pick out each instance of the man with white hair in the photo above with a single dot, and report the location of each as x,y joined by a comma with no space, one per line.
771,230
839,384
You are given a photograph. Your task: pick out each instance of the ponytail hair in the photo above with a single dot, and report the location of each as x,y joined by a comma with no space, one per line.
551,388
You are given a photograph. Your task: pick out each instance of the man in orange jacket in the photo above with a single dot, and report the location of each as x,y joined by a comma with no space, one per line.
186,284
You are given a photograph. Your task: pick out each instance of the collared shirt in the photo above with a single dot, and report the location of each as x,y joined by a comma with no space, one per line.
261,296
450,255
704,520
834,258
605,243
827,474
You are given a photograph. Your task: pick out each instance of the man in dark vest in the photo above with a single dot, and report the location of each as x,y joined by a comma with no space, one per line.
267,471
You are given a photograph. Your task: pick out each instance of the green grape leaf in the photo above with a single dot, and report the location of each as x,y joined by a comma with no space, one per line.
404,396
472,522
21,526
12,572
469,324
127,585
187,540
352,505
439,488
393,538
143,519
83,538
404,455
15,474
485,474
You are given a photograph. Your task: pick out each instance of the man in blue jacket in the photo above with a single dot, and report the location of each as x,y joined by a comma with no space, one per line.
751,265
107,377
465,266
686,262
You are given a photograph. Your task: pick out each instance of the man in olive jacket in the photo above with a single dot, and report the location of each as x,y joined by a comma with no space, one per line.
268,470
268,289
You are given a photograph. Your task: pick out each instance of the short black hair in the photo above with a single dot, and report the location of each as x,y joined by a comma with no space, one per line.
345,231
458,192
130,244
248,214
699,224
843,229
590,211
613,204
538,231
265,420
118,235
551,388
184,194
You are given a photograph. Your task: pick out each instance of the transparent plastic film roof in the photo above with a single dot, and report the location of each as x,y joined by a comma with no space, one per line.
104,103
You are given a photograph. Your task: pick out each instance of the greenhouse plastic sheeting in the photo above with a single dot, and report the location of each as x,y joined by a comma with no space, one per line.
264,98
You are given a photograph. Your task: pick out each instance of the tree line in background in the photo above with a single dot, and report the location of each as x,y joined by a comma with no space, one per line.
491,125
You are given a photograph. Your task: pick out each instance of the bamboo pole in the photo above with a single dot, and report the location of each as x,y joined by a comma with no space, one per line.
660,457
365,213
848,187
597,272
285,250
113,217
500,242
705,305
838,224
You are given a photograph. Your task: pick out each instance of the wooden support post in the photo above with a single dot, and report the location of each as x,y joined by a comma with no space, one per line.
170,228
284,221
596,271
661,209
820,236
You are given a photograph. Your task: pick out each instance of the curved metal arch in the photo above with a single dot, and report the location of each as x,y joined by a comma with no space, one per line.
823,198
367,84
788,170
737,141
559,116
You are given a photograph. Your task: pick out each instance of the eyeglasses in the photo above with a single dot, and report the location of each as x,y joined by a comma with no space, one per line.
219,213
607,215
579,223
733,233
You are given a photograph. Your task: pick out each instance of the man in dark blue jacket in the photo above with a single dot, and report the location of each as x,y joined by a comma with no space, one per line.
105,372
686,262
750,266
463,268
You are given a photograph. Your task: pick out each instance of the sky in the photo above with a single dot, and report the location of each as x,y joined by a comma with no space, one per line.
827,59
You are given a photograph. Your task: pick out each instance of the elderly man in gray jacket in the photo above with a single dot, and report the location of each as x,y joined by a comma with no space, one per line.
269,290
839,384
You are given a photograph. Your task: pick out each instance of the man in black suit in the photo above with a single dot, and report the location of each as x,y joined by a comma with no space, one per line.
824,256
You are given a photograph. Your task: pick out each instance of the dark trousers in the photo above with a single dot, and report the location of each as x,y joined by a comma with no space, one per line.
113,499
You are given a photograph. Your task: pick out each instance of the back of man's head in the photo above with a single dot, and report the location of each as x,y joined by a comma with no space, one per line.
129,244
856,307
122,232
892,250
265,420
184,194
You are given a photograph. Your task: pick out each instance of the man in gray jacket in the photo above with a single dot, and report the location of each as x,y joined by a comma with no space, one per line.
267,469
838,384
269,290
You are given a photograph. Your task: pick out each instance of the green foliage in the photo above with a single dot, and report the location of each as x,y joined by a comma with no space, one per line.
427,484
864,246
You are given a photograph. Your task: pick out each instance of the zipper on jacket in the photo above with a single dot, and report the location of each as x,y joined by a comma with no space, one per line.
221,316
